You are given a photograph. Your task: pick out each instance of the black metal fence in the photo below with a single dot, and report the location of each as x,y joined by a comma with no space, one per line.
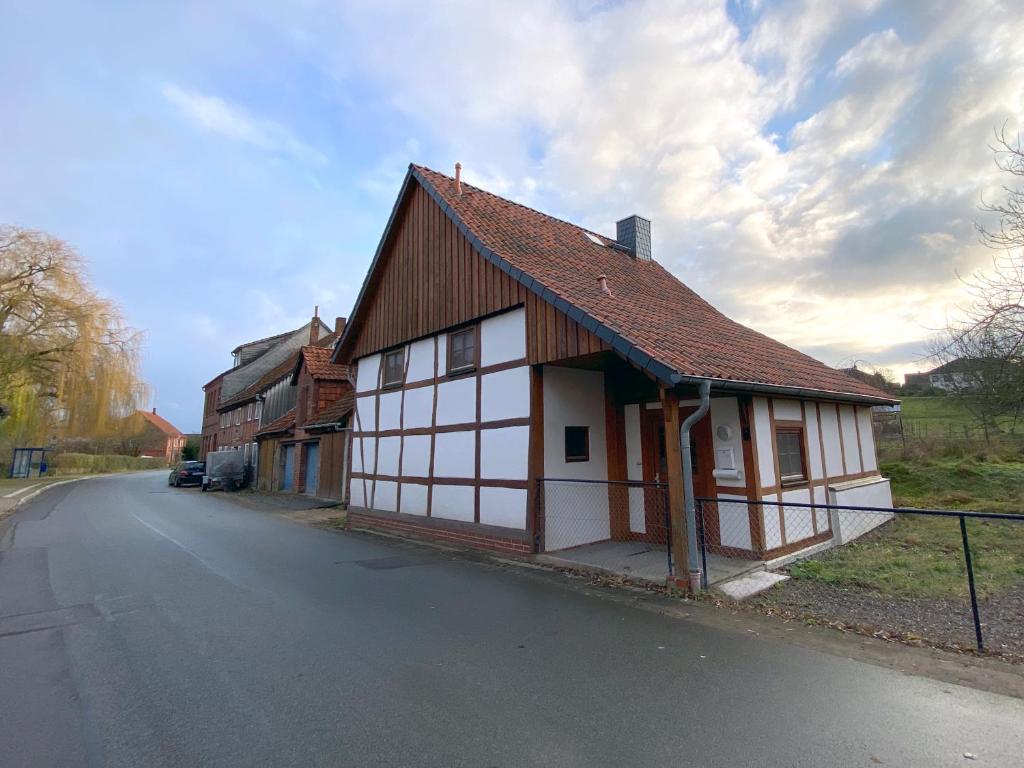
576,516
879,559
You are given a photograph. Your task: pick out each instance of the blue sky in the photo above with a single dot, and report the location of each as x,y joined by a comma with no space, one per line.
813,169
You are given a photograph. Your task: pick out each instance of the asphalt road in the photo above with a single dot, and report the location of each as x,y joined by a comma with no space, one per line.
146,626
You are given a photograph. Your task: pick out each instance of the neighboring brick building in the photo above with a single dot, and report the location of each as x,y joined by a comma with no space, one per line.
253,361
157,437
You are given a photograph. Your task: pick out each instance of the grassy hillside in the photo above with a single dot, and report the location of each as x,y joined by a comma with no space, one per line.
988,485
941,417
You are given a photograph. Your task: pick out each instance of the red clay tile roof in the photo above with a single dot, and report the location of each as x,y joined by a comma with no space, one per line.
650,318
161,423
282,423
333,413
318,361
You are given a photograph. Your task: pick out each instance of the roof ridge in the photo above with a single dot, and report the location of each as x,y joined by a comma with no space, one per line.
517,204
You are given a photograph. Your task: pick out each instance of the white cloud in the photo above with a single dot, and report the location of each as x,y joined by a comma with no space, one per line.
215,115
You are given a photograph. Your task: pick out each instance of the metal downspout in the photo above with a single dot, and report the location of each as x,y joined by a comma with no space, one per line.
693,555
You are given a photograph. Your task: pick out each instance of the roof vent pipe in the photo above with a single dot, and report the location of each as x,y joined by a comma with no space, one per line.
602,281
458,179
697,581
634,234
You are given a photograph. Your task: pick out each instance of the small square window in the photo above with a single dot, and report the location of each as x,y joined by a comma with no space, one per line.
789,443
577,444
462,350
394,368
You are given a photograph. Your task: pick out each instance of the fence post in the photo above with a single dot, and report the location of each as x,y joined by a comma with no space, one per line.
970,583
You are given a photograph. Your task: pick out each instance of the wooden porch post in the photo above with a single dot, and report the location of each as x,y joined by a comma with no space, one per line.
535,462
676,498
615,442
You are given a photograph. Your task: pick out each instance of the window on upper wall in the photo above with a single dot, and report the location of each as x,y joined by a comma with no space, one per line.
462,350
790,444
577,444
394,368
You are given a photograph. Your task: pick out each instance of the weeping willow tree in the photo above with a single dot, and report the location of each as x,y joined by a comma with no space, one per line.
69,364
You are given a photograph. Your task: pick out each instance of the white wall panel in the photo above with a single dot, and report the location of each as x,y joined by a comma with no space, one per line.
870,492
387,455
799,520
725,412
770,513
419,407
416,456
849,432
867,439
734,522
505,394
363,458
503,337
814,444
455,454
421,360
574,397
503,506
367,369
453,502
356,498
414,499
442,353
504,453
786,410
830,434
390,411
366,414
456,401
763,433
385,496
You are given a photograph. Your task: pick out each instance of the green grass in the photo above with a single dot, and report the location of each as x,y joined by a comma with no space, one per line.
916,556
942,417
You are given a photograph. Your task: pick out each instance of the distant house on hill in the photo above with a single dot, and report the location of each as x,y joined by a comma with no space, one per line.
957,375
157,437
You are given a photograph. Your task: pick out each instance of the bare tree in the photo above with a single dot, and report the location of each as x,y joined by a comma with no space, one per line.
985,348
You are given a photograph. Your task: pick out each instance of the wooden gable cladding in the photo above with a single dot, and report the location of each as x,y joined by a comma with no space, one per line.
429,279
552,335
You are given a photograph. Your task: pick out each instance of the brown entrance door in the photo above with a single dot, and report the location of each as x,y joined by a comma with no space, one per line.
655,466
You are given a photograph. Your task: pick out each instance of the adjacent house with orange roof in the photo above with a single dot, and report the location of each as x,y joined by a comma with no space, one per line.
158,437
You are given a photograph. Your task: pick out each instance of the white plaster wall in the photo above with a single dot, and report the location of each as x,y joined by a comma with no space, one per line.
355,490
574,397
868,492
387,455
421,360
503,337
734,522
453,502
390,411
456,401
363,454
813,444
786,410
455,454
385,496
799,520
575,514
416,456
763,435
414,499
503,506
726,411
442,353
869,459
366,372
849,433
770,520
830,434
419,407
505,394
504,453
634,468
366,413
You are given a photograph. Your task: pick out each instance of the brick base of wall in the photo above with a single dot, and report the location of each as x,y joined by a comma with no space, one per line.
438,532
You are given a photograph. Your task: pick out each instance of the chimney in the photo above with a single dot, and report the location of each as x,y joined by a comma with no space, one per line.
634,233
458,179
339,327
314,325
154,410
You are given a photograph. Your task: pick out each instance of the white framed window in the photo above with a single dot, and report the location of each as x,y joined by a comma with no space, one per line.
238,416
259,410
255,453
245,454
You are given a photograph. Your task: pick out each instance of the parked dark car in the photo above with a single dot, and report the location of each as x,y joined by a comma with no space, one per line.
187,473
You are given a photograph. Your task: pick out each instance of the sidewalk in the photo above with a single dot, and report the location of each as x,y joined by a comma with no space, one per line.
294,506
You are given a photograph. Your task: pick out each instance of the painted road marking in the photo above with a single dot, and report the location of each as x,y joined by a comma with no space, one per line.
20,491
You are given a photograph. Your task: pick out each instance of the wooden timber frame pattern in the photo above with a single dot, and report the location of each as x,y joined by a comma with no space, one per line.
431,276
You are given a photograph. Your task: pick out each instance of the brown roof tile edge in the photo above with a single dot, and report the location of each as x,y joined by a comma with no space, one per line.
282,423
